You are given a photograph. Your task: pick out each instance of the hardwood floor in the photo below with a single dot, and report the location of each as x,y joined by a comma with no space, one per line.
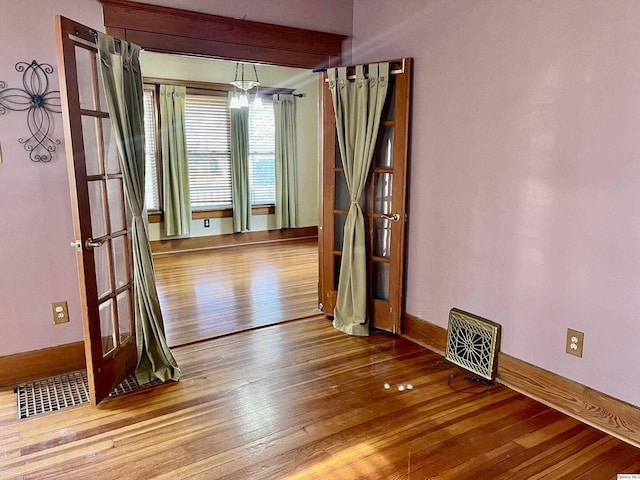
300,400
216,292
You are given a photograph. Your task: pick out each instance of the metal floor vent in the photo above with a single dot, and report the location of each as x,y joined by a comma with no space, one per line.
473,343
62,391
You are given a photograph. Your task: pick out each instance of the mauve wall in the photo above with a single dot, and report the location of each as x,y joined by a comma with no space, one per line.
525,174
37,266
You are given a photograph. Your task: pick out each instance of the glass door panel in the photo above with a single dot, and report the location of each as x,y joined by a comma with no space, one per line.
111,159
85,66
115,194
125,318
337,261
120,254
383,156
389,109
106,327
382,238
380,280
343,198
382,201
97,208
103,269
338,240
90,132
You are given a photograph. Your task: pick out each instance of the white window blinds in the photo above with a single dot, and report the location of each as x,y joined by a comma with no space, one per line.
262,163
152,197
208,149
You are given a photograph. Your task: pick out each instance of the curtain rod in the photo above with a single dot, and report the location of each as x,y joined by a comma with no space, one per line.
349,67
94,34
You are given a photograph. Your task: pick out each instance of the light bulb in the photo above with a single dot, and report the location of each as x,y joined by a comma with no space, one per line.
257,101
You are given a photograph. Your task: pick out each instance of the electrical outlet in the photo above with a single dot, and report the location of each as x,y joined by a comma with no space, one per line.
207,223
575,339
60,312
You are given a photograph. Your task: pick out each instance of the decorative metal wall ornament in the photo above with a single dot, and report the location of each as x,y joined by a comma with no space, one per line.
39,103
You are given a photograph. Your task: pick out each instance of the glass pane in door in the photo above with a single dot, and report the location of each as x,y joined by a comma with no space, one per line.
91,149
103,268
97,208
110,148
382,193
338,231
337,261
125,317
383,156
106,326
343,198
382,238
120,263
84,65
338,158
115,195
380,280
389,109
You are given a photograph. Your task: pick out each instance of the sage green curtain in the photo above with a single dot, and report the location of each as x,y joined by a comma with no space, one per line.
123,87
240,197
284,111
175,167
358,106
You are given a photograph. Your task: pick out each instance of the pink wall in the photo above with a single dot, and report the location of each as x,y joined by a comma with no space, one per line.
525,175
37,266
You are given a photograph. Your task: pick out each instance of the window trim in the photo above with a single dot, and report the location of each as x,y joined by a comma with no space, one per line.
158,216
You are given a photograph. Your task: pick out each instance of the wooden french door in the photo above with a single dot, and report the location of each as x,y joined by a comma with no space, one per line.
101,216
383,203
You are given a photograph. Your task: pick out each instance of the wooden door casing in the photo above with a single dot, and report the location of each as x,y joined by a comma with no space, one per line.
383,314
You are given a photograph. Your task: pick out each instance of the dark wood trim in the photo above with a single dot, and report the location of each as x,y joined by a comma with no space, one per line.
158,217
181,245
171,30
601,411
36,364
424,333
155,217
217,213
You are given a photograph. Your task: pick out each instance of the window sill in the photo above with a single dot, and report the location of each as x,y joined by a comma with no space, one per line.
158,217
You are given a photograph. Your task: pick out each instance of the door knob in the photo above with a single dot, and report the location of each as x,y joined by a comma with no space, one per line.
395,217
90,243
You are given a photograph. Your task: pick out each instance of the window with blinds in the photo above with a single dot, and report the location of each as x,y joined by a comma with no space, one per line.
152,197
262,163
207,130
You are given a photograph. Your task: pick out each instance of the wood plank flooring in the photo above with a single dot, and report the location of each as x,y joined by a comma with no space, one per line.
300,400
216,292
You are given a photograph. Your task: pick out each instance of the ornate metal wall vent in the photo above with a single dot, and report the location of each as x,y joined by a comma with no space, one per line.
473,343
39,102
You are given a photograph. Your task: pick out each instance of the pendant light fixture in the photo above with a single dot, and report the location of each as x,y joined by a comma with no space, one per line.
241,87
